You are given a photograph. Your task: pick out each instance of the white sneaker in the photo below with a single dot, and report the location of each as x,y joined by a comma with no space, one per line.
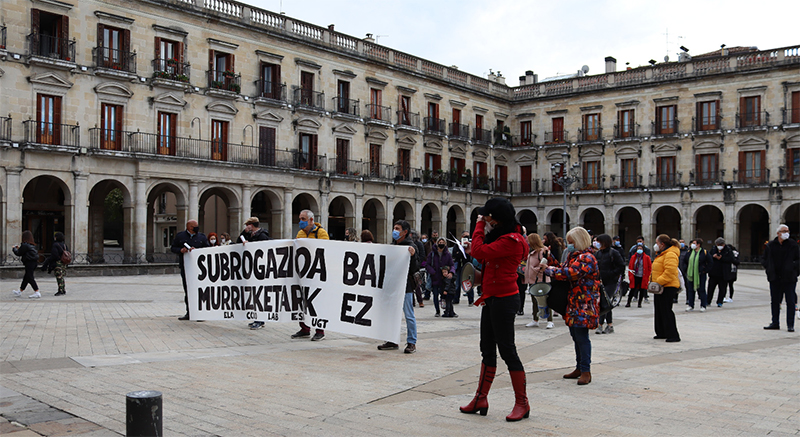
550,325
35,295
688,308
702,309
727,300
17,293
533,324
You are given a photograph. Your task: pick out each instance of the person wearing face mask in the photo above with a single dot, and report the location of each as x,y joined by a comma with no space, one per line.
194,239
611,266
618,247
212,240
401,237
433,265
665,272
224,239
639,269
350,234
782,262
639,244
310,229
252,232
694,268
721,261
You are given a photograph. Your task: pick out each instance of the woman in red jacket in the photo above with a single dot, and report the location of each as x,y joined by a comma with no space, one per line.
638,275
498,244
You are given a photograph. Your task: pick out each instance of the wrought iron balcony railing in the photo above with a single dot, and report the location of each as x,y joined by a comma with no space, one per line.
270,90
791,116
224,80
665,127
52,134
592,134
752,119
482,136
752,177
350,167
665,180
51,47
114,59
436,126
405,118
459,130
171,69
626,131
625,180
378,113
706,178
556,137
344,105
308,98
704,124
5,128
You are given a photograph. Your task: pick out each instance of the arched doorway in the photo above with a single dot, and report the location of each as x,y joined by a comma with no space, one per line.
526,218
374,219
667,221
456,224
431,219
266,205
557,222
301,202
629,226
593,220
219,212
710,224
167,211
46,209
340,217
754,231
110,229
791,219
473,220
403,211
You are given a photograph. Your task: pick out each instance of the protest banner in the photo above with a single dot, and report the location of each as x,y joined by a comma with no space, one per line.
340,286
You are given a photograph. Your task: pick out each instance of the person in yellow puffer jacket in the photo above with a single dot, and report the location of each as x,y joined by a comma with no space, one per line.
665,272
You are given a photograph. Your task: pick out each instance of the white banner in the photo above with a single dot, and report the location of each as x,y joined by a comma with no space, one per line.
352,288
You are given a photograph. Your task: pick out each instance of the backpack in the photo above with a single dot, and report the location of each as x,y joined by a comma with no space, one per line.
66,257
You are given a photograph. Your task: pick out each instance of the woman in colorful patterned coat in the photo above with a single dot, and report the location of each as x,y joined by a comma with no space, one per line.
583,304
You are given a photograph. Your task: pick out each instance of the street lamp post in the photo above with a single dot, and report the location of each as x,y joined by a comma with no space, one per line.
565,175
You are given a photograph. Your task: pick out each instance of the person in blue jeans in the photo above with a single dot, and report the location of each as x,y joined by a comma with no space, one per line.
401,237
694,266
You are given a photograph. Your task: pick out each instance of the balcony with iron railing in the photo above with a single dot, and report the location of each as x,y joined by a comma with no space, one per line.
113,59
706,124
51,134
343,105
591,183
791,116
407,119
522,141
224,81
626,180
171,69
5,128
378,113
705,178
482,136
587,135
459,131
46,48
751,177
349,167
306,98
481,182
503,138
266,89
435,126
665,127
790,174
665,180
528,186
626,131
752,120
556,137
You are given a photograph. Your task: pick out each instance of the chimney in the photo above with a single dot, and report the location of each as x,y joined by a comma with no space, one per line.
611,64
522,81
369,38
500,79
530,78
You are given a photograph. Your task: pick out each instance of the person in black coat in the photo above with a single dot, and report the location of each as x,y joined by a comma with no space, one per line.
719,273
610,265
54,262
782,261
448,291
194,239
253,232
30,258
700,261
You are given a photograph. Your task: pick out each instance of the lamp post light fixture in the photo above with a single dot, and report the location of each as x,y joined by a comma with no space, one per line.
565,175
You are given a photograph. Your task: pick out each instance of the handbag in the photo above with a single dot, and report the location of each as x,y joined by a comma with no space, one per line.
655,288
558,296
610,301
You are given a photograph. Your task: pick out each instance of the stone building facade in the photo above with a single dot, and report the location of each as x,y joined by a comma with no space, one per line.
175,103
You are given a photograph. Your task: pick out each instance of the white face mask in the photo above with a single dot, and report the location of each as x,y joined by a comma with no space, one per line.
224,240
596,245
487,227
212,241
655,247
693,246
784,235
719,248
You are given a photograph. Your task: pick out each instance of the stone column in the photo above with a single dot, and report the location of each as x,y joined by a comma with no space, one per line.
358,212
387,236
322,215
140,220
12,210
247,207
417,215
288,229
80,231
194,202
731,224
775,218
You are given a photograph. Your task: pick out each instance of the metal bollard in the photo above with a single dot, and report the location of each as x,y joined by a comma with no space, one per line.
143,413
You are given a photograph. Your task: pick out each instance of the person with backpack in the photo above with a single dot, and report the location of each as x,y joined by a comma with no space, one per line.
30,258
611,267
59,259
694,268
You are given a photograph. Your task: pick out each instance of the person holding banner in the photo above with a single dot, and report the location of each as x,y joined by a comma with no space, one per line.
499,245
184,242
401,237
310,229
253,232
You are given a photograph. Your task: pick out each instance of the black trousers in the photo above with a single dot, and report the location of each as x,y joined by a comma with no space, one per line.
28,277
713,282
497,331
447,299
777,292
185,292
664,320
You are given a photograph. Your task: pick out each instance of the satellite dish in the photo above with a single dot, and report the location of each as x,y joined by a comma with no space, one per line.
666,58
585,69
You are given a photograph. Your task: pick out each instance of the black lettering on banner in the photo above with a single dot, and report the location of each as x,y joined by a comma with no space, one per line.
216,298
346,299
272,265
302,251
257,299
382,274
285,269
247,264
268,298
226,273
258,266
309,301
319,266
360,319
248,304
211,273
284,299
202,268
236,262
368,271
235,292
226,298
297,298
350,270
203,295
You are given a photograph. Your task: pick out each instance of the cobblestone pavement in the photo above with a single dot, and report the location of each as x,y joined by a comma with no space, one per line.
67,363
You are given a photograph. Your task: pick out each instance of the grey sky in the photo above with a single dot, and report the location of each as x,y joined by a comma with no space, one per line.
552,38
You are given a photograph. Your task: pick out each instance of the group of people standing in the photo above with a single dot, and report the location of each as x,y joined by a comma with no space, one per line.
55,263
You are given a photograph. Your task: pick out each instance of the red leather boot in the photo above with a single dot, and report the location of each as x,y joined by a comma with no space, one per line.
480,403
521,408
